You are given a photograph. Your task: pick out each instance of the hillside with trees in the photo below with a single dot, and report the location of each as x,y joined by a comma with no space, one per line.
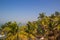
47,27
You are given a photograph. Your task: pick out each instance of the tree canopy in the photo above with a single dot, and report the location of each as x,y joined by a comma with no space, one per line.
46,26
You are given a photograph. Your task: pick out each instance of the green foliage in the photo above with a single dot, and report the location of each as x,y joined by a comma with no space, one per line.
46,26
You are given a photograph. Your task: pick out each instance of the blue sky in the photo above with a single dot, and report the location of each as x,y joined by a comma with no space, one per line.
26,10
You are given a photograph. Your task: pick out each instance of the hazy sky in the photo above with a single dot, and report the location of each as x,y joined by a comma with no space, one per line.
26,10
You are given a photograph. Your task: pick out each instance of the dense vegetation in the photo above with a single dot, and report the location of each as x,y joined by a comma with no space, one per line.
46,26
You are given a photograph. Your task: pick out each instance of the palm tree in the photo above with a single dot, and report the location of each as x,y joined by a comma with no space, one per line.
41,15
57,13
